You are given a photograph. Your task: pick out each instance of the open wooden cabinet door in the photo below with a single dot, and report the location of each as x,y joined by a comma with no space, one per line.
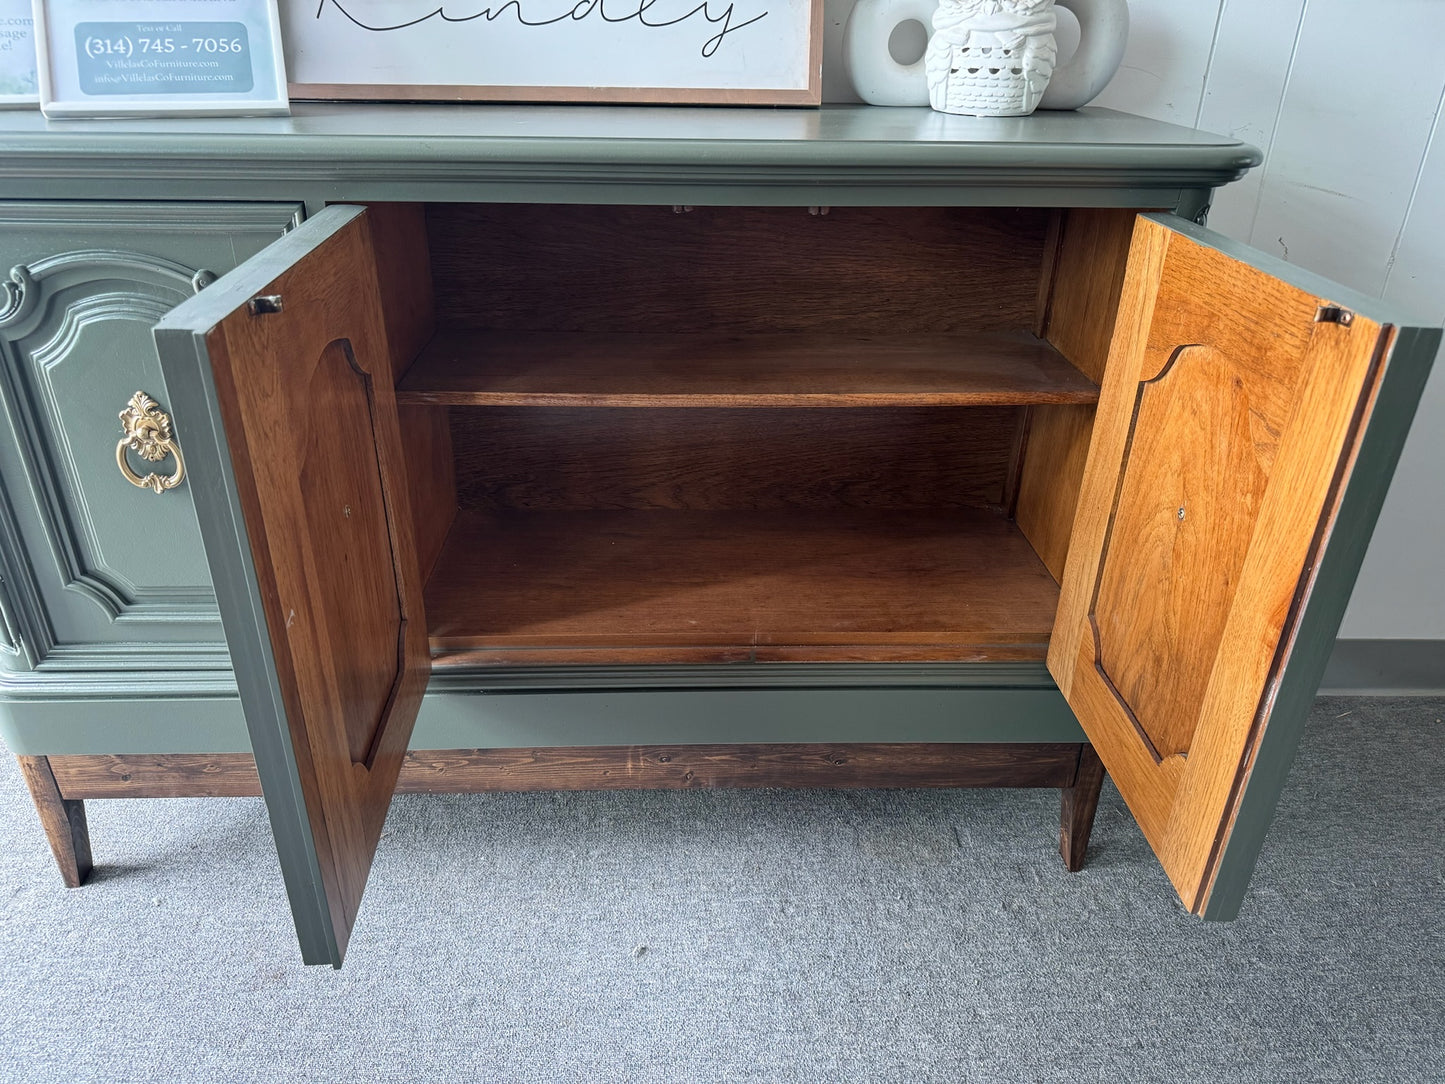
281,384
1249,421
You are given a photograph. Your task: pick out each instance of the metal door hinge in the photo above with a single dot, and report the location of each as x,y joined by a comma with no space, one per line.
1334,314
264,304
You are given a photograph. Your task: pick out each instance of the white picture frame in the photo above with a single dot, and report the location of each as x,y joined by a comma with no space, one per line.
19,70
726,52
160,58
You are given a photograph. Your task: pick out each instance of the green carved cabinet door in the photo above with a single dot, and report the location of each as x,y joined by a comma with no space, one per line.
101,574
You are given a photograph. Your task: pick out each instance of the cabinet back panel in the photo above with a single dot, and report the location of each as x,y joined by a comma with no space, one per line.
590,458
522,267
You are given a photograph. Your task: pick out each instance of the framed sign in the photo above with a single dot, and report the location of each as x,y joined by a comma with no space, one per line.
763,52
159,58
19,83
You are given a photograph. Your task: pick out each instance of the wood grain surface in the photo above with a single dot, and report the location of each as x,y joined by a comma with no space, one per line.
1078,307
62,817
577,458
345,519
1107,449
562,654
881,271
403,277
310,418
803,369
737,581
430,477
1087,276
450,771
1079,802
456,92
1051,471
1225,426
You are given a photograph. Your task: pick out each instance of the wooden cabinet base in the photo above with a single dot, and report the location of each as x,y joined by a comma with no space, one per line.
60,784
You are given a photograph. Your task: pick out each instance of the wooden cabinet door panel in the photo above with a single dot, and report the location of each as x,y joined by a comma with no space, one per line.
1248,422
281,383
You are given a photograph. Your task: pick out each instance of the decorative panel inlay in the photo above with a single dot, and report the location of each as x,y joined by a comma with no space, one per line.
345,500
20,296
82,324
1219,386
1200,451
93,580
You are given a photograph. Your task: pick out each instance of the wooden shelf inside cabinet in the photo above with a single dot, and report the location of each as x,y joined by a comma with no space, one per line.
511,368
653,586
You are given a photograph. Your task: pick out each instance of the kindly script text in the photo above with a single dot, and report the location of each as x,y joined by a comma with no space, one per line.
654,14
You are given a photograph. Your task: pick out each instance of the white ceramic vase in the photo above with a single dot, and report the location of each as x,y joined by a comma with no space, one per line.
985,58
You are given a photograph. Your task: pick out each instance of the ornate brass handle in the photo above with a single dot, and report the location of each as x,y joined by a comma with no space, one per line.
147,431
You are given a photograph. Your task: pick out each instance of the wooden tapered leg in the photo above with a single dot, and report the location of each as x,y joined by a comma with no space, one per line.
1078,805
62,818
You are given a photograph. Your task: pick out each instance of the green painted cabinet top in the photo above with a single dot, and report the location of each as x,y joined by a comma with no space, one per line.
840,154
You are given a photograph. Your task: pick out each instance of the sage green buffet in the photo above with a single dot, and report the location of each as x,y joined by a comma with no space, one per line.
431,448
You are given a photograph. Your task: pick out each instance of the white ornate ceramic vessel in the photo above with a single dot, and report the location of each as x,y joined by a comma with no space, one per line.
985,58
990,58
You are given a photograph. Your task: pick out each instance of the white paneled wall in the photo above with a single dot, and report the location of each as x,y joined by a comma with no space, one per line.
1254,50
1167,62
1345,99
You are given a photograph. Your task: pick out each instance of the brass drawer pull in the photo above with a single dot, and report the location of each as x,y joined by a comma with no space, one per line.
147,431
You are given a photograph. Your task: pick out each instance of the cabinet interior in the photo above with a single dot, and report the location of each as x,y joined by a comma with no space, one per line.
652,434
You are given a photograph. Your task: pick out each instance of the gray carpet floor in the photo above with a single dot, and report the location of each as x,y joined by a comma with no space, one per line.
768,936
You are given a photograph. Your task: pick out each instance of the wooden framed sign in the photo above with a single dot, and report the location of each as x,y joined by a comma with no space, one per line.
762,52
159,58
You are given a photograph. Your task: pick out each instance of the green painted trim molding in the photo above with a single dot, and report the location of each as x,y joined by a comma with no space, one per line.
473,710
858,155
551,719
